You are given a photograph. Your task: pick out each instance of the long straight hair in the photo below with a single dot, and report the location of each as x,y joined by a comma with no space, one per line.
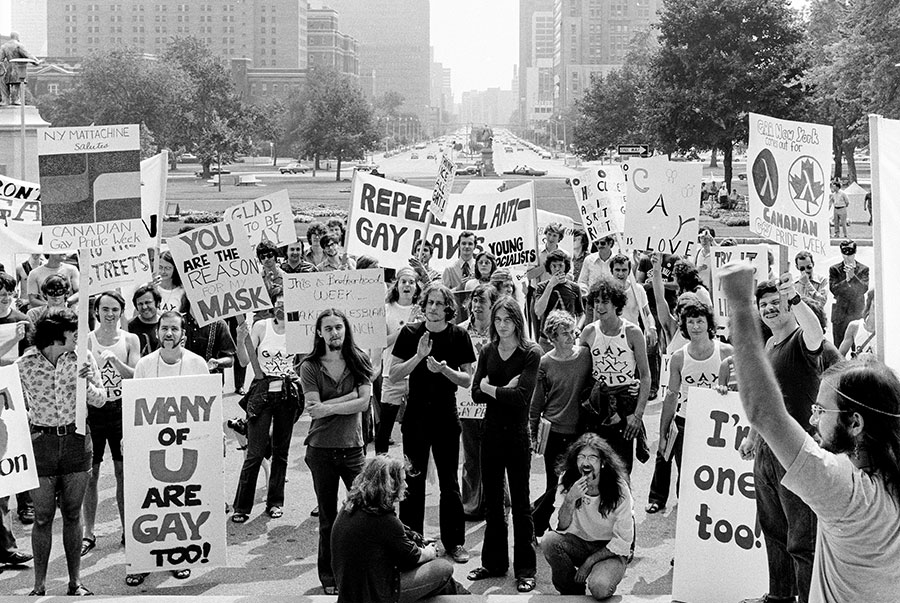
357,360
515,313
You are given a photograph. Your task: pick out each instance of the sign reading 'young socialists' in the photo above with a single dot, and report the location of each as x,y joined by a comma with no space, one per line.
173,494
219,272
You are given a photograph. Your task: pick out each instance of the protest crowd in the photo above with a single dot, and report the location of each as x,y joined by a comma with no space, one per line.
486,363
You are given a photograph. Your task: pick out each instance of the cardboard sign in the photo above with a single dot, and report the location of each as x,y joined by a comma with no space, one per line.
663,206
219,272
387,218
154,174
90,187
442,187
268,218
358,293
174,499
18,471
716,526
112,267
788,168
600,195
20,215
755,255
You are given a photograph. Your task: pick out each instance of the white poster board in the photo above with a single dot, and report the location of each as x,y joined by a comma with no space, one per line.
442,187
154,177
113,267
219,272
358,293
663,207
600,196
174,500
18,471
20,216
268,218
788,168
755,255
716,526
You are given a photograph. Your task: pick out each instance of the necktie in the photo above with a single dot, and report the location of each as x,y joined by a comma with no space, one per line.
466,271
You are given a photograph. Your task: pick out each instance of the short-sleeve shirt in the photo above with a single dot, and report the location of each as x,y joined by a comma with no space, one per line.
431,393
334,431
13,318
565,296
147,334
37,276
858,534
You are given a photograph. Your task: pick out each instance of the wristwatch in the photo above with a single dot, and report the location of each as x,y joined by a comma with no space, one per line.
794,300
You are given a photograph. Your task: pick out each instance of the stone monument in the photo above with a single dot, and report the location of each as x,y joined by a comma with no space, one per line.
19,123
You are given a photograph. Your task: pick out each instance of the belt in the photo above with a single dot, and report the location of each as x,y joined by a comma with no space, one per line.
59,430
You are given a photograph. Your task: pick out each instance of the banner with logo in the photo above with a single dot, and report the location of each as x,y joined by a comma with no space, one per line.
268,218
788,168
663,207
90,187
17,469
174,500
716,525
600,195
388,217
20,216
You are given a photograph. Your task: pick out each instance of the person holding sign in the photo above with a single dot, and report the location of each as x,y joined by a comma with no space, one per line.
693,365
637,306
55,291
504,381
49,372
336,380
592,542
117,353
271,272
456,274
437,356
849,474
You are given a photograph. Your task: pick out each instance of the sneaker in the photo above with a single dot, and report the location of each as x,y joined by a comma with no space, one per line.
459,554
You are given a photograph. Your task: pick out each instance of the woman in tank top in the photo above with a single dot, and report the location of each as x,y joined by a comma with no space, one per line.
170,288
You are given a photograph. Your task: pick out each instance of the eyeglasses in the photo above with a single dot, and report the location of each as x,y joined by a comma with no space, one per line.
818,410
592,458
806,268
604,243
266,254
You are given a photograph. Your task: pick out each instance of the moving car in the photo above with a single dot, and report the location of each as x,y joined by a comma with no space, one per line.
293,168
524,170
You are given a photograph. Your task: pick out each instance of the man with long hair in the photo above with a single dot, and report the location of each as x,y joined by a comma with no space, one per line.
337,383
376,558
848,472
592,537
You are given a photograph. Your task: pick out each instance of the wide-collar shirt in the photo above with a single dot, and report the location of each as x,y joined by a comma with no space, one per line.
50,390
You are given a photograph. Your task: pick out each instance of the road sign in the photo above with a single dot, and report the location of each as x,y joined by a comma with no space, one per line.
642,150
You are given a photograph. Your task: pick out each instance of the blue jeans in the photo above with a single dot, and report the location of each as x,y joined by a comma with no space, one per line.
789,528
427,580
329,467
280,419
565,553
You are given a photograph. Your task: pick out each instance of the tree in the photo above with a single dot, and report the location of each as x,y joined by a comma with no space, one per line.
718,61
334,118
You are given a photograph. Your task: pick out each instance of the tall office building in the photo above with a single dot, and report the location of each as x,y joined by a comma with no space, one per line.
394,47
535,89
329,47
271,33
29,19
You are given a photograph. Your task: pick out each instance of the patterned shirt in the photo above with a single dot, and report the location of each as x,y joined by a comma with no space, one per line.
50,390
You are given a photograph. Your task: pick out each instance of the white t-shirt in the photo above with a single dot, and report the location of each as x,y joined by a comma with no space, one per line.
858,534
37,276
396,317
152,365
591,526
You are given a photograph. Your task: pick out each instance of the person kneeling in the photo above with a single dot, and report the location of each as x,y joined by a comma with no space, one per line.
376,557
594,538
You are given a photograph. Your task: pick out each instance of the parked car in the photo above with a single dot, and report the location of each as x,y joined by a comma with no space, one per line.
365,167
293,168
213,171
414,156
545,154
431,156
524,170
466,170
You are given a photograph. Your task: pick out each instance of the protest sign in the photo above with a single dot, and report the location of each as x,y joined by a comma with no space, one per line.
466,407
663,206
788,167
717,526
358,293
268,218
387,217
600,195
173,495
442,187
20,215
17,469
154,174
546,217
219,272
885,145
665,361
112,267
755,255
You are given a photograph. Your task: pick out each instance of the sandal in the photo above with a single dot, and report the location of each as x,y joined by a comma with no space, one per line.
525,585
37,593
480,573
181,574
274,512
135,579
239,518
654,508
87,545
330,590
79,590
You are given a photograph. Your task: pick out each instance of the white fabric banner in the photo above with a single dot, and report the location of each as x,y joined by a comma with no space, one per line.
17,469
20,216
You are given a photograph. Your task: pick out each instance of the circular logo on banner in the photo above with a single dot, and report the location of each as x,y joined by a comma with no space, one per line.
765,177
807,185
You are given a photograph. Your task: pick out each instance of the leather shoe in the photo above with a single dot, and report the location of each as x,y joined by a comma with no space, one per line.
15,558
26,516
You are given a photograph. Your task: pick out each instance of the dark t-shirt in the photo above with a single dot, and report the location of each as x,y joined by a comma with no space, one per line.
798,370
431,393
15,317
147,335
565,296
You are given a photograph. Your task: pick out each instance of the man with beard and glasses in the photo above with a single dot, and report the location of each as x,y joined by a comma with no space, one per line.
851,478
592,537
798,353
272,275
334,259
146,300
336,380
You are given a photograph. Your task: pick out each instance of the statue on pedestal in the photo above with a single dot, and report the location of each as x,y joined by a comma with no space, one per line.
13,71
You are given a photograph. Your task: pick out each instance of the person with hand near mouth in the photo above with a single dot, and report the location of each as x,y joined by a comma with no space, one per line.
334,258
592,537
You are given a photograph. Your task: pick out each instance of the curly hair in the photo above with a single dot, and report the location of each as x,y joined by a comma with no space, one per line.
558,255
613,474
694,308
315,229
608,289
555,320
379,486
686,275
52,327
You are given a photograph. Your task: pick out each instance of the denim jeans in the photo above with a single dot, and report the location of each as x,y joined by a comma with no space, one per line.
472,491
428,580
557,444
566,552
507,452
789,528
329,467
280,419
662,472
